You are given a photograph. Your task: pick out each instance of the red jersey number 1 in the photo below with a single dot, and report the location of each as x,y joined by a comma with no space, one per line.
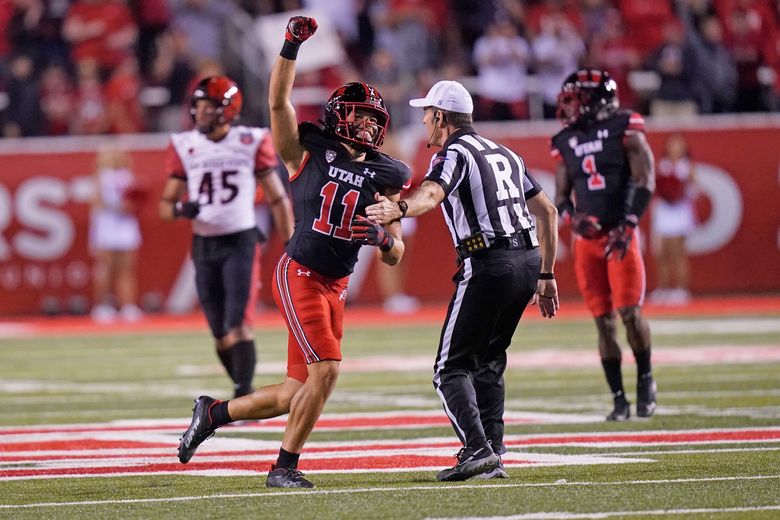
596,181
349,204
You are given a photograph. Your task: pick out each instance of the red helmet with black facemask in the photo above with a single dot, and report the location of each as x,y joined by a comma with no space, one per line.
587,94
342,116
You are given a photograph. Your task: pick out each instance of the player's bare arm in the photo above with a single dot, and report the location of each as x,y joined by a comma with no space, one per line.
426,197
641,161
547,231
395,254
642,164
584,225
284,124
387,237
278,202
563,188
173,191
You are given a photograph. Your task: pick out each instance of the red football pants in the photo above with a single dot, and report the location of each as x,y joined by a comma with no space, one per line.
313,307
609,284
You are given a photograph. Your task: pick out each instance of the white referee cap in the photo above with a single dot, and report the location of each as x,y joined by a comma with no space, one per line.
447,95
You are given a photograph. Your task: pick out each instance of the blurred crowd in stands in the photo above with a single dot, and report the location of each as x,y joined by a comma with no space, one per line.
76,67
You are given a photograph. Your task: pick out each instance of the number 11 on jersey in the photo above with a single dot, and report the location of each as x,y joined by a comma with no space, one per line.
349,201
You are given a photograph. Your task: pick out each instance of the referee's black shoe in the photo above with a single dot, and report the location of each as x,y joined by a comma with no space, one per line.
200,428
497,472
471,462
645,395
622,410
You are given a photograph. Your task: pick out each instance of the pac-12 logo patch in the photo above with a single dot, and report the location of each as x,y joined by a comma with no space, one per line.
246,138
330,156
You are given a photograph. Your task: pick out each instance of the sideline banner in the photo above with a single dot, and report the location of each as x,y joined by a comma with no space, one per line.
46,188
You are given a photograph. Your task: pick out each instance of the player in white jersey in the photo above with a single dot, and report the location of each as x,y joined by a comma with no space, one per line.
217,165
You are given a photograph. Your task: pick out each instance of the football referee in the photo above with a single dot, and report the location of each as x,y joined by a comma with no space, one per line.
505,260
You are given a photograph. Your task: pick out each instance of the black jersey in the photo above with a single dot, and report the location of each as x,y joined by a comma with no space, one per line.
328,191
597,164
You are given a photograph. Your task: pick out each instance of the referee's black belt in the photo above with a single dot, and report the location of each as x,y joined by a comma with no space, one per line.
479,242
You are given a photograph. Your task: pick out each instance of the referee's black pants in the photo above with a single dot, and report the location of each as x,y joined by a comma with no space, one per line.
493,289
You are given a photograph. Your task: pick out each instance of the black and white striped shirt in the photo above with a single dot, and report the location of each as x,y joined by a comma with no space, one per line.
486,186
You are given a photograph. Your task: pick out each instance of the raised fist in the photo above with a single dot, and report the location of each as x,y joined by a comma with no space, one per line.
186,209
620,238
300,29
366,232
586,226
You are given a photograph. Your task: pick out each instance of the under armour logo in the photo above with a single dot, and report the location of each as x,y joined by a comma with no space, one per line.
368,172
301,272
343,295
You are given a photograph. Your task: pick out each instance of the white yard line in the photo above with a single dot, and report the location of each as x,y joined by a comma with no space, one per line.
607,514
399,489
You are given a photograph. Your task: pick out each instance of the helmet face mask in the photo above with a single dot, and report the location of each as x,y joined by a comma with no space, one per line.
225,97
356,115
588,94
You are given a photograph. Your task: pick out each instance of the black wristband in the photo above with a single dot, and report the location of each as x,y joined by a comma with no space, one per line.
387,246
289,50
546,276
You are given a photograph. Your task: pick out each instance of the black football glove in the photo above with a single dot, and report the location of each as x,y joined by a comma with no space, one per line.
300,29
620,238
586,226
186,209
366,232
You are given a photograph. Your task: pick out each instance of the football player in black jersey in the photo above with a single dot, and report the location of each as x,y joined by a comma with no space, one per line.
605,162
335,173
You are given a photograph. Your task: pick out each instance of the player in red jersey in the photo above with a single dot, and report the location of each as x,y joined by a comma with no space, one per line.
335,173
605,161
218,165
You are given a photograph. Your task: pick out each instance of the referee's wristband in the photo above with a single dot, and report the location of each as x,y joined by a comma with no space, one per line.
546,276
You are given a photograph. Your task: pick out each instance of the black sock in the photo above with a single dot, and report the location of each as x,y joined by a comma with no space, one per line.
244,360
225,356
614,376
219,414
643,367
287,459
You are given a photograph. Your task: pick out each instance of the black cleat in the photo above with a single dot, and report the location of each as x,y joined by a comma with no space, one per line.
286,478
497,472
200,428
622,410
645,396
470,463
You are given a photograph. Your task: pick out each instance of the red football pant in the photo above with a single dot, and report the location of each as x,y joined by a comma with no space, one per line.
606,285
313,307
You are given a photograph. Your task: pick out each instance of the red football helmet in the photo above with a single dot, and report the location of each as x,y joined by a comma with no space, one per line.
340,111
586,93
223,92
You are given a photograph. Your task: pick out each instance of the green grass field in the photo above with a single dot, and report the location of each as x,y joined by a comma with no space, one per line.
711,451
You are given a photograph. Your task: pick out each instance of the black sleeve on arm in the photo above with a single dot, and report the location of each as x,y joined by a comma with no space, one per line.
637,200
535,186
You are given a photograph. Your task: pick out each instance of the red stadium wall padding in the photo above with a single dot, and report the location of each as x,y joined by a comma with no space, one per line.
45,194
